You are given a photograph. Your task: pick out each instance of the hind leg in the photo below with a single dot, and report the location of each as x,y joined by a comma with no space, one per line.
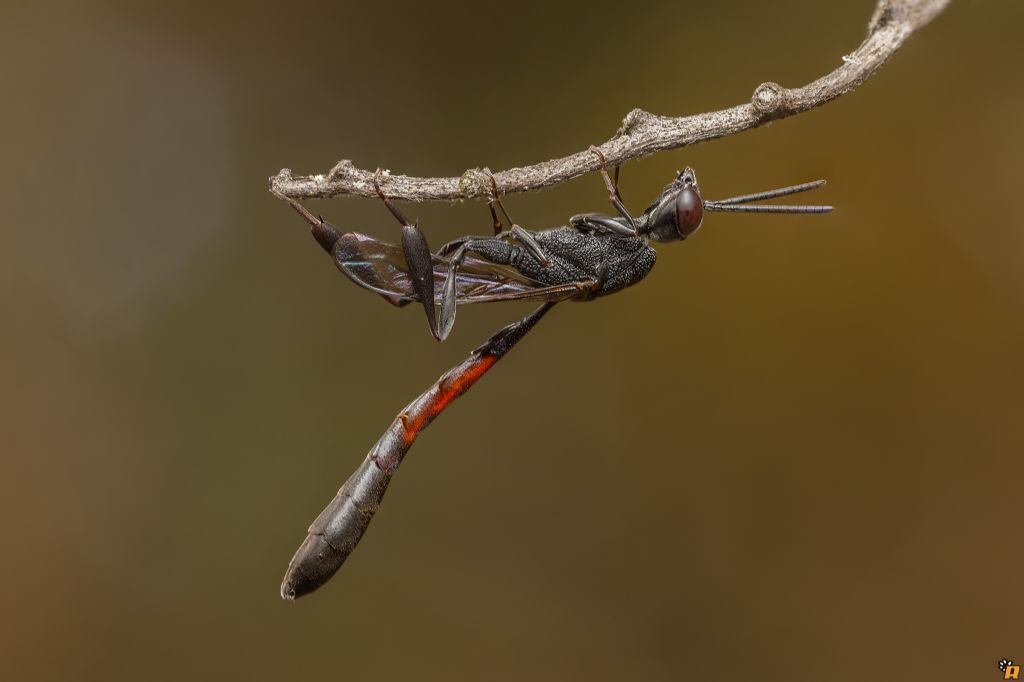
417,258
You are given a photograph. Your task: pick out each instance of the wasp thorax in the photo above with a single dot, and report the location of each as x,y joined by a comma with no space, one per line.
689,211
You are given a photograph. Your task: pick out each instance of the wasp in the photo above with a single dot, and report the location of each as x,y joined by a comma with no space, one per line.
593,255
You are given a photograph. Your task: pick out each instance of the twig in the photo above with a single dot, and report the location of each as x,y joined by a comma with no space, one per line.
641,133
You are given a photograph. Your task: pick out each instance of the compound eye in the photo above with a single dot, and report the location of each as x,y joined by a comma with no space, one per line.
689,212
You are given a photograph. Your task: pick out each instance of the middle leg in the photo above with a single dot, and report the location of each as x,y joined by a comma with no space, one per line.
514,231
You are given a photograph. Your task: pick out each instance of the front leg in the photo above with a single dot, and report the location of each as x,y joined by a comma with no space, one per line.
595,222
613,192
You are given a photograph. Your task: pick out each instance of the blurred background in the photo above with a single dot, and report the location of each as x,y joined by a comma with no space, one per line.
793,451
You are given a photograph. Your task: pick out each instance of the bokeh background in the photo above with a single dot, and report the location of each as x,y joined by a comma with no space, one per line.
794,452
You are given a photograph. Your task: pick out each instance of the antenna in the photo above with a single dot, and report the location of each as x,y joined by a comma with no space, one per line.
736,204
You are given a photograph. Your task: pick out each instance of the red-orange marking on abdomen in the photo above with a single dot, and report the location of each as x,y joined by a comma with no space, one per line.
445,394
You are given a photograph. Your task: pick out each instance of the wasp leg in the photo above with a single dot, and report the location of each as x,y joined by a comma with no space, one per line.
456,252
518,234
514,232
417,258
595,222
458,248
326,235
613,191
496,199
448,296
452,246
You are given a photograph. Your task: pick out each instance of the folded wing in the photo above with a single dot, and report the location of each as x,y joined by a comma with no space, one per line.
380,267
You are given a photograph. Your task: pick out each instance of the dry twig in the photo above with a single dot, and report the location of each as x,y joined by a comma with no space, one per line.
641,133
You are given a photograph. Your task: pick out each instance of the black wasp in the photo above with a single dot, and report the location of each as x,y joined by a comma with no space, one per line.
594,255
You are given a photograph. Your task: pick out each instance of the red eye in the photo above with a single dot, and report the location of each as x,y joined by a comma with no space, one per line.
689,212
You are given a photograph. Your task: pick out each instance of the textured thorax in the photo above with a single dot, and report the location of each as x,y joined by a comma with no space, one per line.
584,256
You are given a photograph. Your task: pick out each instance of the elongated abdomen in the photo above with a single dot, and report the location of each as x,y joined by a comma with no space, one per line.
340,526
336,531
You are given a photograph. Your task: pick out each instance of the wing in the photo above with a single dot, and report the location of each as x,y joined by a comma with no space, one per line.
380,267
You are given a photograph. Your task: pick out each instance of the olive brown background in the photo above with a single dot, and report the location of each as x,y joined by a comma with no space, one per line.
793,452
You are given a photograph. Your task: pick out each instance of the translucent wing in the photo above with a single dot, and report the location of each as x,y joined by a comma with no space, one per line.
380,267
